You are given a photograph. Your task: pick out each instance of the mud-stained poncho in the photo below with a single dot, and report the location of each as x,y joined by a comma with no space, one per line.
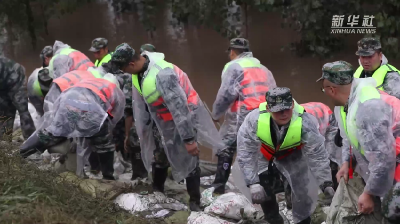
189,121
373,120
305,169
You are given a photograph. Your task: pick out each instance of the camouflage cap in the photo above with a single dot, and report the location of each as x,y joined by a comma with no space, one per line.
46,52
147,47
278,99
239,43
338,72
368,46
44,75
123,54
98,44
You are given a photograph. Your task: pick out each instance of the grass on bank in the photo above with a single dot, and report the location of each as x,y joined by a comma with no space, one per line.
30,195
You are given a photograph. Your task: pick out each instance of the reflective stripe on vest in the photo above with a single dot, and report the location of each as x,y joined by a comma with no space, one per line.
105,59
80,61
153,96
379,75
71,78
372,93
253,86
102,88
37,90
291,142
367,93
135,83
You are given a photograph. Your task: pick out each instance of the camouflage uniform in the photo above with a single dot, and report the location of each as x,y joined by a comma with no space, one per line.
391,82
374,123
13,96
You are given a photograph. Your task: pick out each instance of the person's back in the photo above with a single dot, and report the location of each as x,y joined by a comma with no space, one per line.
66,59
13,97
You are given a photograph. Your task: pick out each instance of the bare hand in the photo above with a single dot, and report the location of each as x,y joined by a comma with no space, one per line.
365,203
192,149
343,172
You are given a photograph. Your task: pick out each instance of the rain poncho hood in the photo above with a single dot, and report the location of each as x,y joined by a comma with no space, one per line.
58,46
243,87
305,169
189,121
373,122
66,61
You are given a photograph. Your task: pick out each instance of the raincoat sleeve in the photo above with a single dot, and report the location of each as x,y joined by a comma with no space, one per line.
62,65
175,98
374,133
314,148
248,149
391,84
345,150
331,148
127,89
228,92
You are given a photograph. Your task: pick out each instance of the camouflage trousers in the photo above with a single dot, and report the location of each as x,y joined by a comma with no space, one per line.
7,116
101,142
391,205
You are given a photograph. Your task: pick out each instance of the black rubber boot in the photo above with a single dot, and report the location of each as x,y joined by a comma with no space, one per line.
94,162
31,146
193,189
270,207
222,174
138,168
159,177
305,221
107,165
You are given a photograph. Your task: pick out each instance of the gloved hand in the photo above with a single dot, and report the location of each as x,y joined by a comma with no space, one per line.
258,194
328,193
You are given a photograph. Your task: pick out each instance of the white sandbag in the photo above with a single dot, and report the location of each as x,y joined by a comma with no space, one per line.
201,218
207,197
133,202
228,206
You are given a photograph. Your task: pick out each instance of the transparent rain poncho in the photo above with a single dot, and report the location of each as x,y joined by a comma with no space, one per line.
55,91
61,64
327,127
34,98
305,169
374,123
244,84
78,112
189,121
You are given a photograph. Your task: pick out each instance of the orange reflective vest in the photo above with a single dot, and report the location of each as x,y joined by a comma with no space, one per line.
153,96
71,78
104,89
253,87
395,104
319,111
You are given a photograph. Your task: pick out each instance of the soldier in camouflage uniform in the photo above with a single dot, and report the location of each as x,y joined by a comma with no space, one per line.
280,136
130,141
369,120
100,51
374,64
86,112
13,97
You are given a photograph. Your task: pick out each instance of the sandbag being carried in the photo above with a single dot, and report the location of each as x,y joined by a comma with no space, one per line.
344,210
228,206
